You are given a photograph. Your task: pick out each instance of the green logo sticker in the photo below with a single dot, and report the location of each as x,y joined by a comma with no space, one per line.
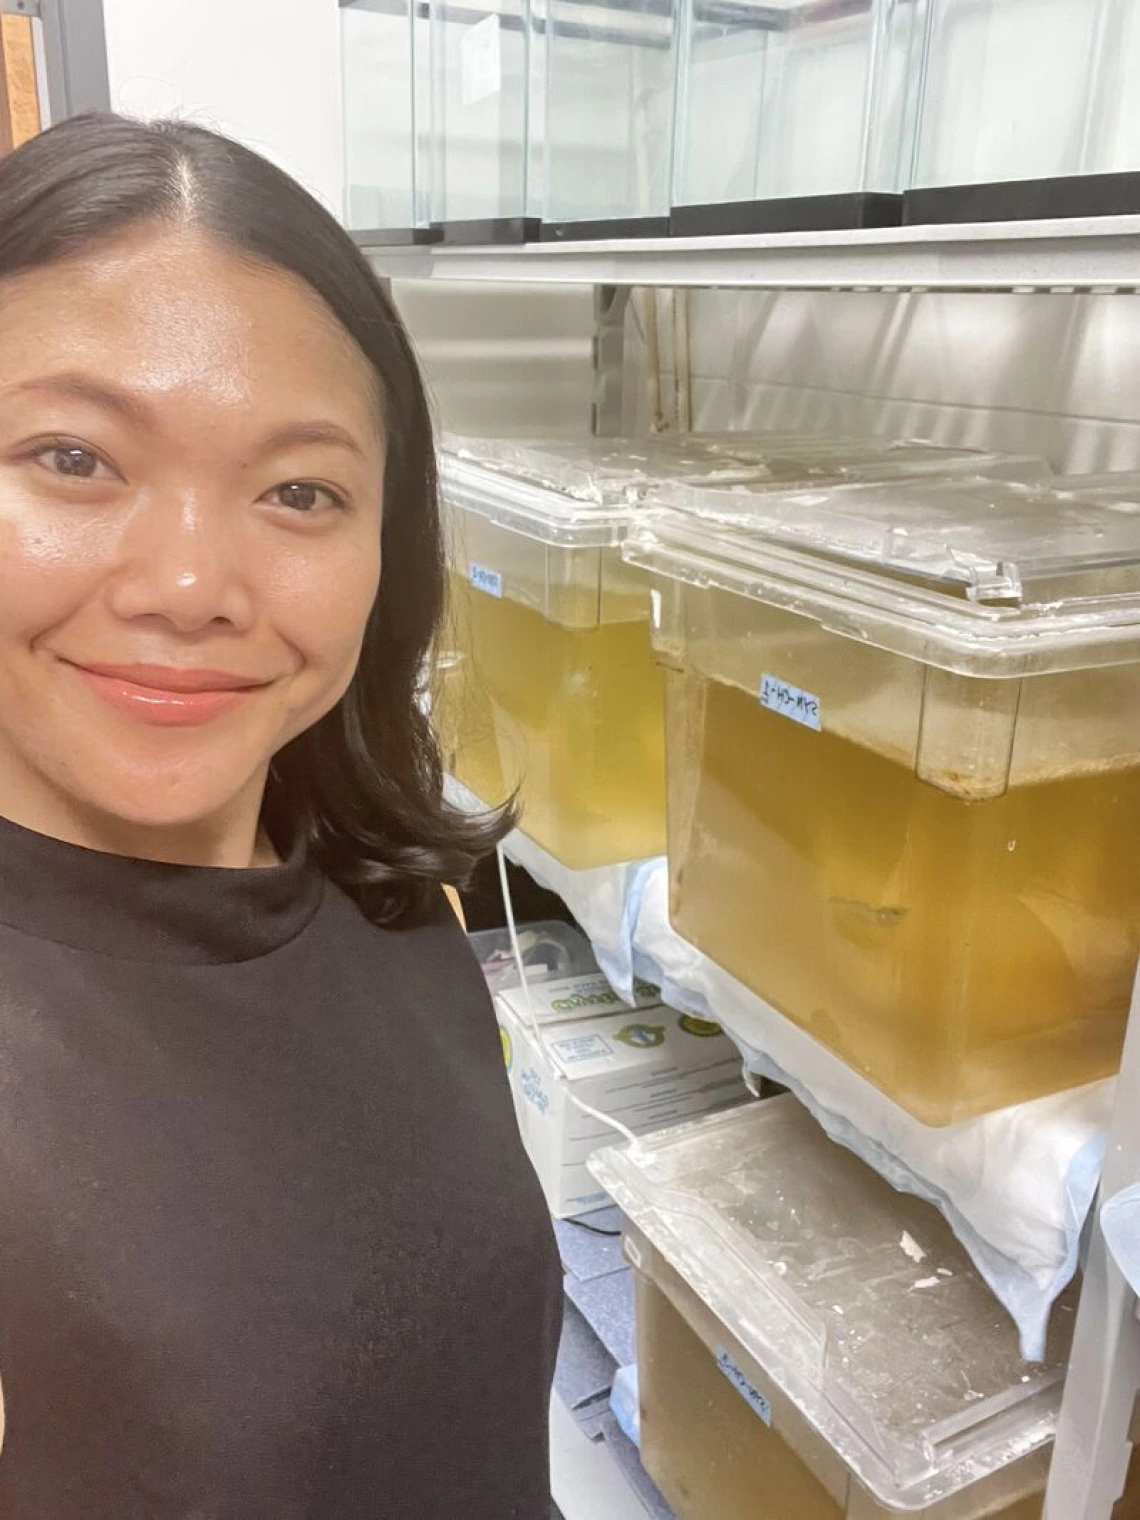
704,1029
508,1048
642,1036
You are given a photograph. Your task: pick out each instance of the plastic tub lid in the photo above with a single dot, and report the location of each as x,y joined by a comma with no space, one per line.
801,461
585,491
856,1300
981,576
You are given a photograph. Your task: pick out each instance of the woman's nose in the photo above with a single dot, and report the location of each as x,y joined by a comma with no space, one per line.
181,561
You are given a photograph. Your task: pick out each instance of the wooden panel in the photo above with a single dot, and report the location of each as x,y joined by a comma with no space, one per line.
19,95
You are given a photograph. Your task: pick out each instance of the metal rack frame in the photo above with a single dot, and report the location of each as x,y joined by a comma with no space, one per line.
1100,1414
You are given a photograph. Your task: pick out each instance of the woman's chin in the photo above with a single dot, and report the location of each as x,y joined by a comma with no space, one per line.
154,802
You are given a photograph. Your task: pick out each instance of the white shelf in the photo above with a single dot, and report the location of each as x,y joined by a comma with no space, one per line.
1101,254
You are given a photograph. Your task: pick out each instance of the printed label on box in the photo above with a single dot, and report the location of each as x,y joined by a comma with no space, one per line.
486,580
582,1047
790,702
744,1386
480,61
533,1091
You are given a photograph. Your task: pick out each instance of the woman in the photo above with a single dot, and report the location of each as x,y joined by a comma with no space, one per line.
268,1244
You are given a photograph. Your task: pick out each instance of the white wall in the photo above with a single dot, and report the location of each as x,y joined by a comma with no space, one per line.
265,71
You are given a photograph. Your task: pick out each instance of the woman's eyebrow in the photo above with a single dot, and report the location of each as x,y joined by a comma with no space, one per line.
76,386
295,434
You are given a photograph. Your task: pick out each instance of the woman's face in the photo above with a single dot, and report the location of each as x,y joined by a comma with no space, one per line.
191,471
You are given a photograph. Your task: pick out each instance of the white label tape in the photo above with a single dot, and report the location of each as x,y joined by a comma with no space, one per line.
790,702
486,580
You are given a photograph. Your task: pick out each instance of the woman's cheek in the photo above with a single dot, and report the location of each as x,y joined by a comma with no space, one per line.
50,558
324,600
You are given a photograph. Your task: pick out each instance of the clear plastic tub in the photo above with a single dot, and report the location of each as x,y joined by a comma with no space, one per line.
904,773
812,1343
549,682
384,47
479,146
546,678
603,80
1050,99
550,951
794,116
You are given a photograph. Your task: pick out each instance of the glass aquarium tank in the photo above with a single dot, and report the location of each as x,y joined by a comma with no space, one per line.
794,116
480,143
1027,108
601,117
384,52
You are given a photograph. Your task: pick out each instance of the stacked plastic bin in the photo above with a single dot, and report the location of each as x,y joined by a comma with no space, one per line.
812,1344
547,678
904,772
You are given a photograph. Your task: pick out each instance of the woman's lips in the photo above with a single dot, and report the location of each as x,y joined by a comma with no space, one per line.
167,696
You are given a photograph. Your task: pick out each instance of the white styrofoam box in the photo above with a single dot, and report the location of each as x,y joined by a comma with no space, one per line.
266,72
647,1066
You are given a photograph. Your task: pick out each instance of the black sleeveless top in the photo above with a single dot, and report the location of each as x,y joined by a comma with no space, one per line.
269,1246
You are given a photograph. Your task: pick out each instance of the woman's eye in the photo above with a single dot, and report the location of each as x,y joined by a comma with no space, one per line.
305,496
74,461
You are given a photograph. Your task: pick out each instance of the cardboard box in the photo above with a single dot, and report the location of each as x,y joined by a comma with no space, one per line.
648,1066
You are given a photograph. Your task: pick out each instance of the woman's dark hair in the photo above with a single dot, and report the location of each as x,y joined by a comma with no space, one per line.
365,784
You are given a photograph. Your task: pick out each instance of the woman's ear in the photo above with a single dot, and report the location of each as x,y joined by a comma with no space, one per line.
457,908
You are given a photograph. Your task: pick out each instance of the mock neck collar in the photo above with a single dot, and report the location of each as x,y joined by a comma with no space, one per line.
149,910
